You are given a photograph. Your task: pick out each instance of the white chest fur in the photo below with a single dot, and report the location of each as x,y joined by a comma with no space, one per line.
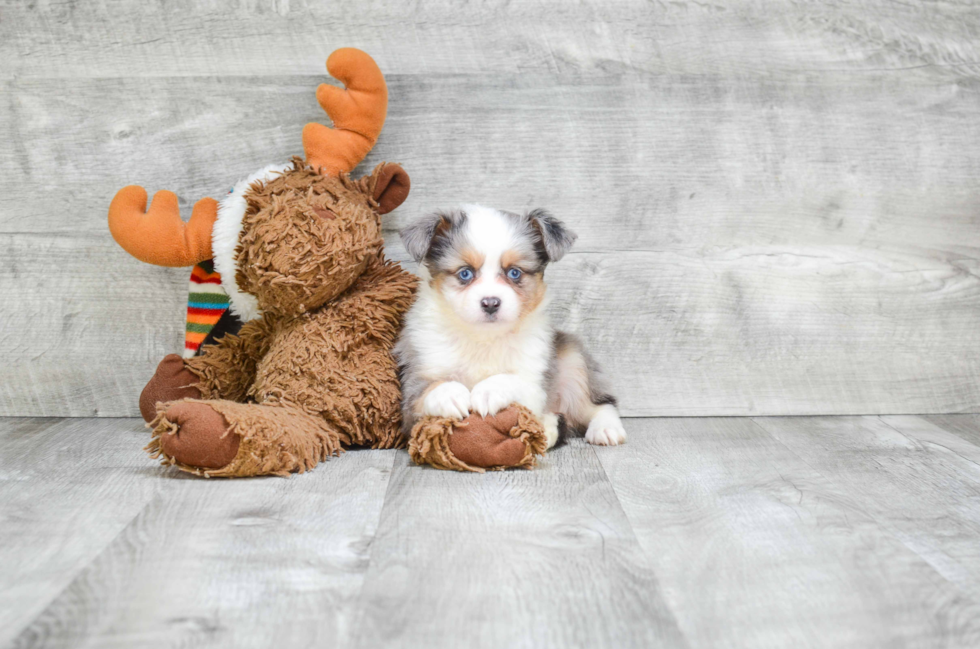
451,350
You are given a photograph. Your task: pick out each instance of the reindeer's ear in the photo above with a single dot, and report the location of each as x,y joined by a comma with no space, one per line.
389,186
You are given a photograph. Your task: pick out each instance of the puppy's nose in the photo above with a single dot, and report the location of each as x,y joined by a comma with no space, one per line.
490,305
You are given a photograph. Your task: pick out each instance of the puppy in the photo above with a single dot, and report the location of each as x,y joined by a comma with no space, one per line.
478,336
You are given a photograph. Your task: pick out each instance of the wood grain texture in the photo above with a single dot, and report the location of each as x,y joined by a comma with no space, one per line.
719,532
542,558
275,37
754,292
775,341
633,161
775,201
67,488
756,548
919,481
965,426
73,343
227,563
960,437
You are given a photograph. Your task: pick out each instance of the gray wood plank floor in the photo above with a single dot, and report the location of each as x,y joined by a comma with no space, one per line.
718,532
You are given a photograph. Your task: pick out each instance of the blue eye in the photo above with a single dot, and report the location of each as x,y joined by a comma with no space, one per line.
514,274
465,275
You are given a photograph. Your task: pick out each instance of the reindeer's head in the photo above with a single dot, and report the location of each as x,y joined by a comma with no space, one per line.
290,237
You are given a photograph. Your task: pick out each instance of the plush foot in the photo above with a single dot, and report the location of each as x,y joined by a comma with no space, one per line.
486,441
171,382
198,436
606,429
512,438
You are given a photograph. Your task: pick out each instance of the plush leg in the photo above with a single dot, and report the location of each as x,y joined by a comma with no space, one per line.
228,439
171,382
511,438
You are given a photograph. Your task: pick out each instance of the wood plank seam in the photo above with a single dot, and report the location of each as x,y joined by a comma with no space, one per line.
885,525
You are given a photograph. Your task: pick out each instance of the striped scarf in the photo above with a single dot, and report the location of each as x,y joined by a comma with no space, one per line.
206,303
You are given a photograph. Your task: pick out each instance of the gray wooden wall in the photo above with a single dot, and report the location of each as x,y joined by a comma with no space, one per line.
778,203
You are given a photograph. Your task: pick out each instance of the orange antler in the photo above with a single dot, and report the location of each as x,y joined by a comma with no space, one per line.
158,236
358,113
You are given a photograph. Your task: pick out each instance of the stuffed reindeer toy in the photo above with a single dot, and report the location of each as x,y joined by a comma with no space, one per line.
297,249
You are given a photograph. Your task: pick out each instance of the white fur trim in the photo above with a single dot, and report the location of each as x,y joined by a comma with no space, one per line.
224,240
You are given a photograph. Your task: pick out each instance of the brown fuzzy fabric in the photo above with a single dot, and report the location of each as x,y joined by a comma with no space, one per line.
274,440
227,369
294,259
200,436
490,442
315,372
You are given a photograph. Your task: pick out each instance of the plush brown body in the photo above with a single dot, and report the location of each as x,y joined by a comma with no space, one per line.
315,372
333,363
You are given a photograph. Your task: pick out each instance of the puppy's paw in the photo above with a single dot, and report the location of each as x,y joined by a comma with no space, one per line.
550,422
449,399
606,429
492,395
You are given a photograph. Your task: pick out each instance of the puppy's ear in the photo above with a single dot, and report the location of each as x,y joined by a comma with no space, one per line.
389,185
418,236
555,237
